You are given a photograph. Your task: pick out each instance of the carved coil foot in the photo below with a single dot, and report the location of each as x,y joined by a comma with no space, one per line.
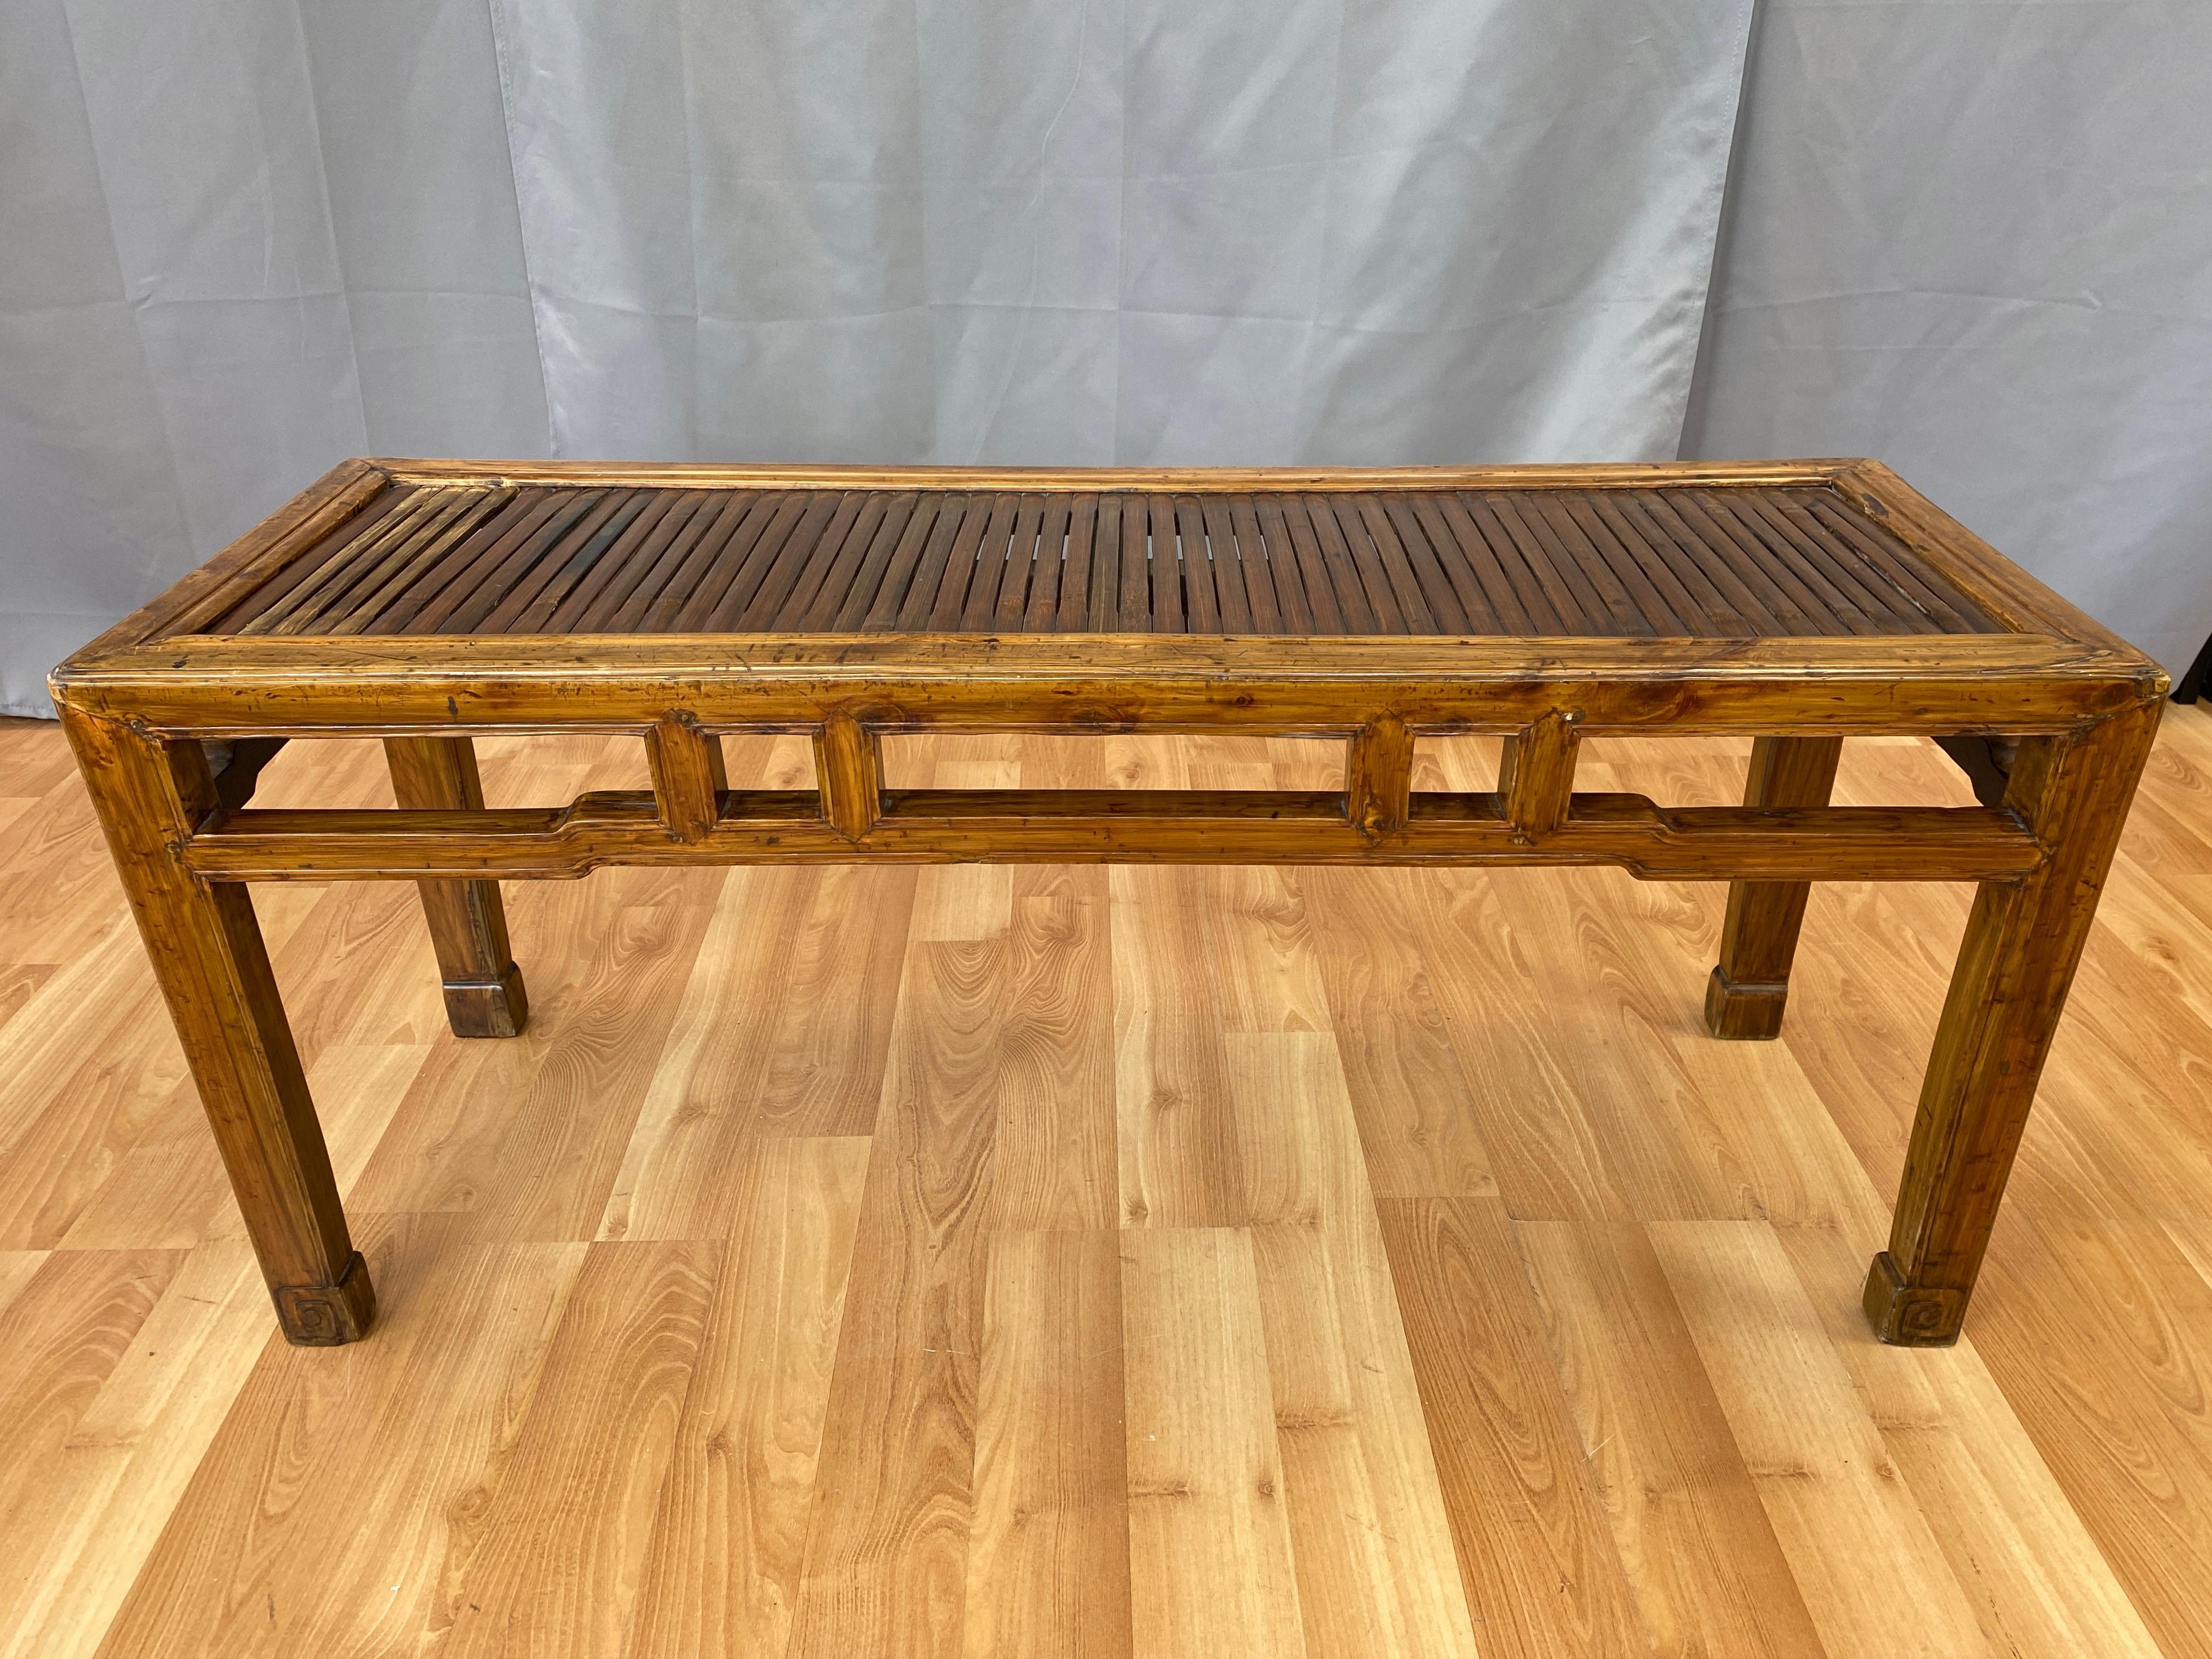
326,1315
1911,1316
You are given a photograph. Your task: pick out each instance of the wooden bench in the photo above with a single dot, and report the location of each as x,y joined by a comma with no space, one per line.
426,602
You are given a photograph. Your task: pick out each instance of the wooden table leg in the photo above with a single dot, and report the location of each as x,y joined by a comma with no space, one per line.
484,996
2023,941
1745,996
1378,777
207,953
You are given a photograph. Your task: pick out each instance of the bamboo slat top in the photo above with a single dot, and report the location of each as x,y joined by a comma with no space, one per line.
1530,553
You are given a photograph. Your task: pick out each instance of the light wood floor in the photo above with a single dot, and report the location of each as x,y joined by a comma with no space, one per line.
1036,1262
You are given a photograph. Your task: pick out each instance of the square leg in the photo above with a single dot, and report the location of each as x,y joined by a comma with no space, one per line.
484,997
207,953
2022,944
1750,985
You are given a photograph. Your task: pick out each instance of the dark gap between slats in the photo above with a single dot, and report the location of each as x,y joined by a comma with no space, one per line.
1680,560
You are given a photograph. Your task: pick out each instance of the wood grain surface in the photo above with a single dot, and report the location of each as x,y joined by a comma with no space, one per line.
1062,1260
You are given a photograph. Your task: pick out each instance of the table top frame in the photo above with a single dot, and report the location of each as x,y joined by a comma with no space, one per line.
2052,668
2052,671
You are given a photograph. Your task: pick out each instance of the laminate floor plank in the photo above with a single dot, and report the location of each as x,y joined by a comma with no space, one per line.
2099,1334
357,968
1367,1520
1862,1553
91,1071
1538,1561
17,1269
721,1572
56,889
2166,831
528,1136
128,1461
20,981
2164,942
1049,1559
1864,997
885,1564
1708,1573
1261,952
1179,1161
556,1565
1559,1075
2016,1546
65,1333
469,1325
839,971
1408,1091
1054,1153
699,1109
33,758
967,901
362,1035
1210,1539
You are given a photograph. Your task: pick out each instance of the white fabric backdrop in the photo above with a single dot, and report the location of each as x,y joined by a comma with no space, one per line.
241,238
1974,237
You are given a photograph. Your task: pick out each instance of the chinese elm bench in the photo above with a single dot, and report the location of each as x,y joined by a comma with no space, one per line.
427,602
